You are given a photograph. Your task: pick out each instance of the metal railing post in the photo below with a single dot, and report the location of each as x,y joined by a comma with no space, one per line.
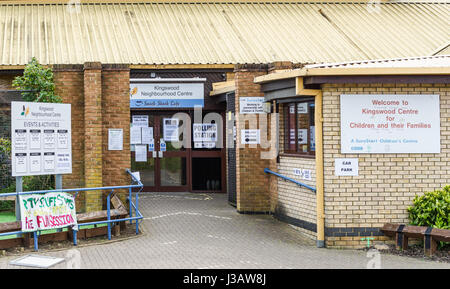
35,237
108,213
137,209
75,241
109,222
130,198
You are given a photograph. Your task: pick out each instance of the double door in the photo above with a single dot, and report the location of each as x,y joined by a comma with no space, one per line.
166,166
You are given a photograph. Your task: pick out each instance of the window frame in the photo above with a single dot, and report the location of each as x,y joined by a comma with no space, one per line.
288,151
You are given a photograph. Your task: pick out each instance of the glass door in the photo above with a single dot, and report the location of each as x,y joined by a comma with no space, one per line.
164,168
172,157
144,124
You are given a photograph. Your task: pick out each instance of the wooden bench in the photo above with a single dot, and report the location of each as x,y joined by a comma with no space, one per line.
118,211
430,236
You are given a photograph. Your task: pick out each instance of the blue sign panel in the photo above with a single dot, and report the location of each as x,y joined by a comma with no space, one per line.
166,95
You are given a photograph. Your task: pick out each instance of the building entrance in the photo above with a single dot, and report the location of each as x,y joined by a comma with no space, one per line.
169,164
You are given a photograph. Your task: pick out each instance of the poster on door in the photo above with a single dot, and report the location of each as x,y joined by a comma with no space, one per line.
40,138
170,129
390,123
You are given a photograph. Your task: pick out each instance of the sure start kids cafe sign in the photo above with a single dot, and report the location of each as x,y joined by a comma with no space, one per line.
390,123
47,211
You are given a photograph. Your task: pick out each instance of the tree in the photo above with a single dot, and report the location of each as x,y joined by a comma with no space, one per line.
37,83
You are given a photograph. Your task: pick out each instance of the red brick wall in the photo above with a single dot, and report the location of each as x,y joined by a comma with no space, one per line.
69,82
93,139
252,184
100,100
116,114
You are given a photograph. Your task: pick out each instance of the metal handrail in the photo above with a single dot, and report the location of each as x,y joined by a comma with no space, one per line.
133,206
267,171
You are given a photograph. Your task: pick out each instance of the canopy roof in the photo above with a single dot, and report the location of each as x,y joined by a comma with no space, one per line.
219,32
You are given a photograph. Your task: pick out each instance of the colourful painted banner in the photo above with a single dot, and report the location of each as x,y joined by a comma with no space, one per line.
47,211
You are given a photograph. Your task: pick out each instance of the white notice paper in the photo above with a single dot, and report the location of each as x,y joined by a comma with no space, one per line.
115,139
135,135
170,129
35,139
250,136
35,162
49,139
346,167
21,162
140,153
49,161
147,135
20,139
63,138
140,120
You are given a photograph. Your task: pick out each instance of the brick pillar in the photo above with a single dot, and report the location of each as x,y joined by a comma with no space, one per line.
252,184
69,85
116,115
93,134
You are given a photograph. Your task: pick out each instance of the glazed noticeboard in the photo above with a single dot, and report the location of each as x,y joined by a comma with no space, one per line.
41,141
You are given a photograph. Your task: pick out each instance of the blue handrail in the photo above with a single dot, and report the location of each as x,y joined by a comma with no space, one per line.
138,216
267,171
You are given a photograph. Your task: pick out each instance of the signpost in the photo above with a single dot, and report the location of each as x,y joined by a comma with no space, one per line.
41,141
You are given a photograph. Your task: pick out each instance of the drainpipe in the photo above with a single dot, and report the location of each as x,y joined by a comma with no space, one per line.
318,119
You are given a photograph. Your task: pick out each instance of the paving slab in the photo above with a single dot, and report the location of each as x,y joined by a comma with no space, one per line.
193,231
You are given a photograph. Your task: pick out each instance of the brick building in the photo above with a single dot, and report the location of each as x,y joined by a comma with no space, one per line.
238,67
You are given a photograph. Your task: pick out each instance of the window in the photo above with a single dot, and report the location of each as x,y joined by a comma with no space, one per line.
299,128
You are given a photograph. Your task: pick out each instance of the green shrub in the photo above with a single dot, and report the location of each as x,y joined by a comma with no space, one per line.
432,209
7,206
37,83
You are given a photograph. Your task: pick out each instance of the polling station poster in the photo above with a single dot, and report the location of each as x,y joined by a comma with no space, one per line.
40,138
47,211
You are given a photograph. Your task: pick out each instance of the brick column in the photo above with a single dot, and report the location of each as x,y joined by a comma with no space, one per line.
69,85
93,134
252,184
116,114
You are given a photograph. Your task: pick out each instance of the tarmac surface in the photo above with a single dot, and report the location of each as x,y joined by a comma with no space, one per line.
202,231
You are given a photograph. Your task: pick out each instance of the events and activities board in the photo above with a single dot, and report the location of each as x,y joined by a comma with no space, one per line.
166,95
390,123
47,211
40,138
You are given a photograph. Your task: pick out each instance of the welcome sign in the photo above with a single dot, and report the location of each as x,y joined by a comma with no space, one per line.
390,123
166,95
47,211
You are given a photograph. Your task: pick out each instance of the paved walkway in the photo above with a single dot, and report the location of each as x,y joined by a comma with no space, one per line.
184,230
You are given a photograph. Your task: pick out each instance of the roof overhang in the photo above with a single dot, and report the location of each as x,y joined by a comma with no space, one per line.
378,71
223,88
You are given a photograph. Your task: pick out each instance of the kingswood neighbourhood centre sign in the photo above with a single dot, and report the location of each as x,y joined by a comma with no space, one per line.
166,95
390,123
